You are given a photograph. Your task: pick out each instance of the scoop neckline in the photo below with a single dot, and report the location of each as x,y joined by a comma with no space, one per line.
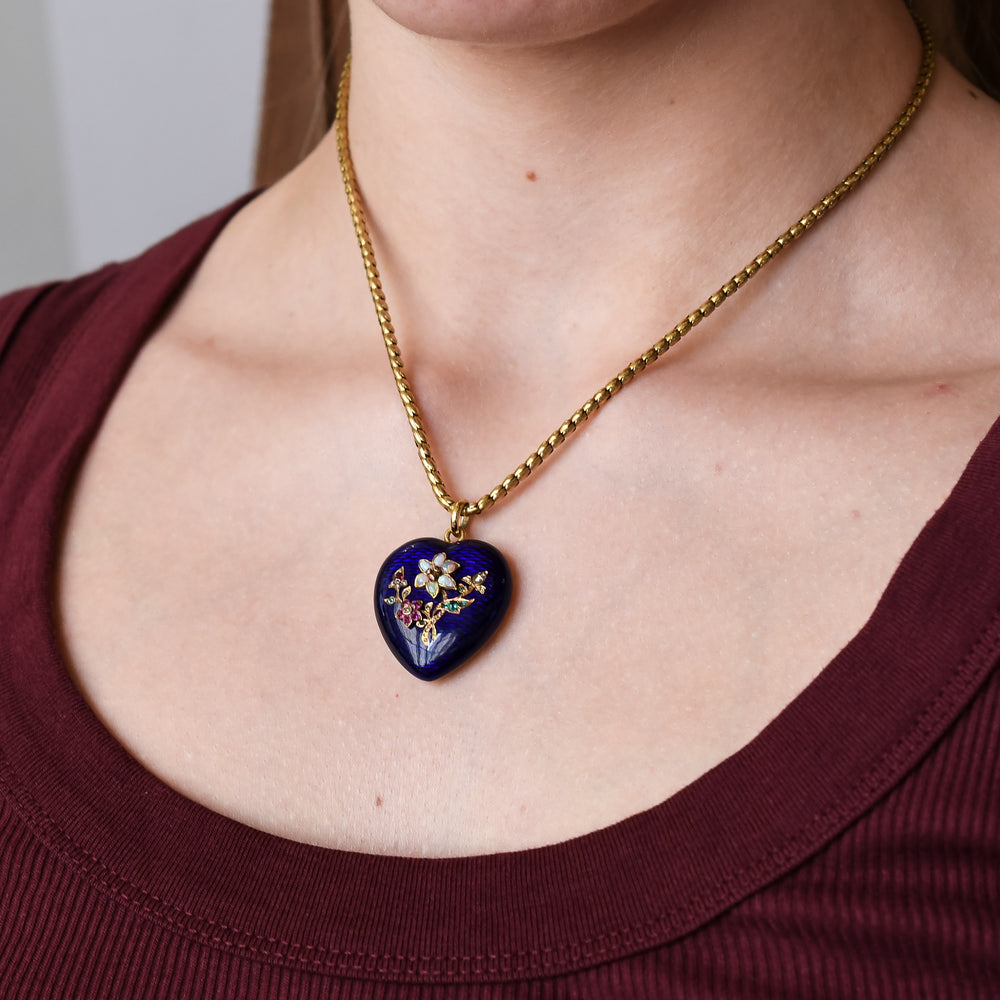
853,733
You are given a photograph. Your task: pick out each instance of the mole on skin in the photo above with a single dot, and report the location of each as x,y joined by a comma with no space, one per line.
531,175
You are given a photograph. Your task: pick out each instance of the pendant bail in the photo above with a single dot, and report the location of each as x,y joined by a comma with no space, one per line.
459,521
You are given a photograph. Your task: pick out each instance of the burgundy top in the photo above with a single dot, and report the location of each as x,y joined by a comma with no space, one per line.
852,849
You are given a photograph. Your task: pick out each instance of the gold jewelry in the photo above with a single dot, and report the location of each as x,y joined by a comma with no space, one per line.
409,626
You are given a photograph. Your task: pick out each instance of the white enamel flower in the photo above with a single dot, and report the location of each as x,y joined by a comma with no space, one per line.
435,574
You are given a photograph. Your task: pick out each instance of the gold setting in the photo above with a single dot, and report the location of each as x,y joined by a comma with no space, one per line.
425,615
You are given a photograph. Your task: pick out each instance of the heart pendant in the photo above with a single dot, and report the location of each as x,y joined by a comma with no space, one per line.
437,603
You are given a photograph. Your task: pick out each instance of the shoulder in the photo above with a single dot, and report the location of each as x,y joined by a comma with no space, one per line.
119,300
35,325
49,306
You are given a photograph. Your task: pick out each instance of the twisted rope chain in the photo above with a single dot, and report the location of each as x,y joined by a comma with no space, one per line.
462,510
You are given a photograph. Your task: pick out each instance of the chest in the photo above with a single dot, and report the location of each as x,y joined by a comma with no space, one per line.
682,572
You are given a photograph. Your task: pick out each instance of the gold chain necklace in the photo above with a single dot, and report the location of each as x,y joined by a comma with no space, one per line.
457,612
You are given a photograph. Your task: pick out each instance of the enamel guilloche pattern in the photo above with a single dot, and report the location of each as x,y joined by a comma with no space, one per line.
437,603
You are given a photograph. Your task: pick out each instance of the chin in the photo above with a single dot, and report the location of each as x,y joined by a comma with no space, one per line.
512,22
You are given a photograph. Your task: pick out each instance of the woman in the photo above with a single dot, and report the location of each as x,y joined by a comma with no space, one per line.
724,744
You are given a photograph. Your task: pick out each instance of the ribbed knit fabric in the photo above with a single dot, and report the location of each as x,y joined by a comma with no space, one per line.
852,849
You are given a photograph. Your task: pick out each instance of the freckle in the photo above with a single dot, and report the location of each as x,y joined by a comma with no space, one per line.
531,175
378,800
856,514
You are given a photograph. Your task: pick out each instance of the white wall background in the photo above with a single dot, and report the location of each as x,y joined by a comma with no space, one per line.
120,120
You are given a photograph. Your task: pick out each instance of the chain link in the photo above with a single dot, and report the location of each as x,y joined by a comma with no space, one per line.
462,510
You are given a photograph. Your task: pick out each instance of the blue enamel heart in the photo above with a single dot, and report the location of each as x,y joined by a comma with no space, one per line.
438,603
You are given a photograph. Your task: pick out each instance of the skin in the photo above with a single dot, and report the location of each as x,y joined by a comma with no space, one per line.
546,197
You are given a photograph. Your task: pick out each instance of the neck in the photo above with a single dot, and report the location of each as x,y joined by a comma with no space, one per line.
570,168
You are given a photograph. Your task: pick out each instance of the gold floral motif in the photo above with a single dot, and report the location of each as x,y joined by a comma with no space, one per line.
435,575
